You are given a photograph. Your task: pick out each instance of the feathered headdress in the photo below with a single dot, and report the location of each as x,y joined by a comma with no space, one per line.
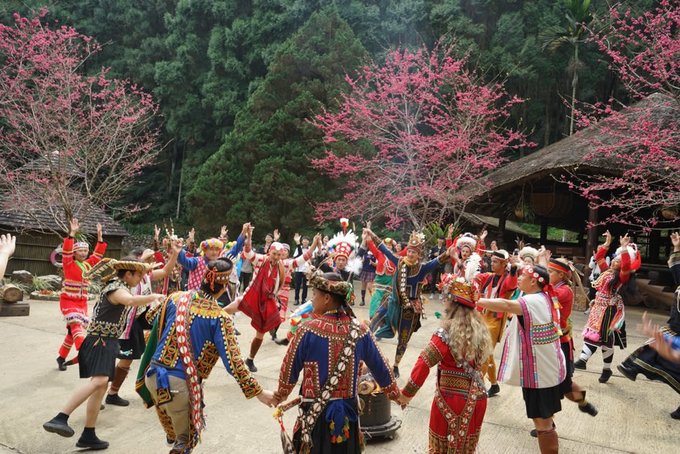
466,239
342,244
416,241
633,253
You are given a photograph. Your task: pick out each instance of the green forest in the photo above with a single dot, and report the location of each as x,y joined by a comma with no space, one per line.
237,82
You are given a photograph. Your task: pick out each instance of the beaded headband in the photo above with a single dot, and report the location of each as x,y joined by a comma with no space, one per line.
221,277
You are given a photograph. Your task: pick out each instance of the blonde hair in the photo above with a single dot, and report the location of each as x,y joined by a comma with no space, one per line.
469,338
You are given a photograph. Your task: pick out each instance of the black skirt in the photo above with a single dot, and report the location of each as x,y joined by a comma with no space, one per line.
321,437
133,347
565,386
97,357
646,361
542,402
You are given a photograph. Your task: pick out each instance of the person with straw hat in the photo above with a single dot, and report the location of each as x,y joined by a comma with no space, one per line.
97,355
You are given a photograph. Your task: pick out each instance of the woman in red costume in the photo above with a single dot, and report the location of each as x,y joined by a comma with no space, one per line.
459,348
73,297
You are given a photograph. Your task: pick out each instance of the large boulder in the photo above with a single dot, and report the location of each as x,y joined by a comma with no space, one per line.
23,277
52,281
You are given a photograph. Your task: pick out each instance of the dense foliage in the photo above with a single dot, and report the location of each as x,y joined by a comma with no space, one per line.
236,81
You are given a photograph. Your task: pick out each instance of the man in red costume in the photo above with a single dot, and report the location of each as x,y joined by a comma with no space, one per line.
73,297
259,299
499,283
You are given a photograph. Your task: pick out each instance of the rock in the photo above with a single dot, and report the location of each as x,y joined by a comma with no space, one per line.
22,276
52,281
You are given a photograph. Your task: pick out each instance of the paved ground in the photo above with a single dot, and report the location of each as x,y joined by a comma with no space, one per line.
634,417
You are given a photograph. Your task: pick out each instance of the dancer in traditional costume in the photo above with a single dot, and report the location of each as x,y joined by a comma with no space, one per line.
402,314
458,349
212,249
132,341
328,351
384,273
646,360
561,272
259,301
97,355
190,335
532,357
73,297
500,282
606,325
284,292
341,258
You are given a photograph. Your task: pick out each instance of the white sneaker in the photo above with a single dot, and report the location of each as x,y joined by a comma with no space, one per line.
431,296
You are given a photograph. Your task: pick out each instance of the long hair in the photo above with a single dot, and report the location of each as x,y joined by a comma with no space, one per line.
469,338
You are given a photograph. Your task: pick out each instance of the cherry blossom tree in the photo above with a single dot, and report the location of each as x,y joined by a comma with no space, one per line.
639,138
410,134
70,142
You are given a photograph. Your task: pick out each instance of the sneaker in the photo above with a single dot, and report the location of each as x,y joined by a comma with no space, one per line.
604,378
395,371
580,364
431,296
493,390
297,303
61,363
283,341
93,443
59,427
630,374
251,365
169,441
115,399
676,414
588,408
363,303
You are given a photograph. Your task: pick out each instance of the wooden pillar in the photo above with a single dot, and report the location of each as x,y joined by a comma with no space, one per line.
654,246
591,243
501,224
544,231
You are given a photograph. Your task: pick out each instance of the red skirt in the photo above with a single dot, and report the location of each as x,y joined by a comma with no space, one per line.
264,313
455,423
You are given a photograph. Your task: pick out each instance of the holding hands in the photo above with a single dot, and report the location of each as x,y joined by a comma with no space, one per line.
268,398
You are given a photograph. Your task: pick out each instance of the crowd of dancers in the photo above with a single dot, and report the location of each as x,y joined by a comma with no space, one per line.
172,307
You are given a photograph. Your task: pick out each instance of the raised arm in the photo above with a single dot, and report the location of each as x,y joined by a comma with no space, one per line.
99,249
7,246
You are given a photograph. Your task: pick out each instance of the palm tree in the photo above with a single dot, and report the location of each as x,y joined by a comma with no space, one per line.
578,16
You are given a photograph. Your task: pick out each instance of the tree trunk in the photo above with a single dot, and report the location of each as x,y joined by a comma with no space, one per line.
179,191
11,293
574,83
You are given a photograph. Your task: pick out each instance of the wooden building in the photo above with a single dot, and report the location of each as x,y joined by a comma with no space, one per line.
35,246
534,189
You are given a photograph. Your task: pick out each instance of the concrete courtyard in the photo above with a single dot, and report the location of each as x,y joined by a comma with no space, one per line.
633,418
